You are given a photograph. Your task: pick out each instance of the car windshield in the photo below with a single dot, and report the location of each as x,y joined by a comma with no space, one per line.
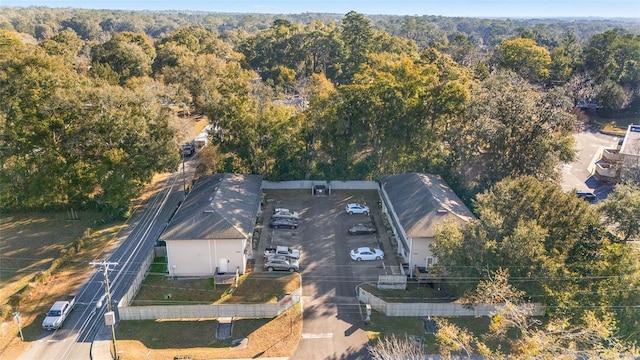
53,313
362,251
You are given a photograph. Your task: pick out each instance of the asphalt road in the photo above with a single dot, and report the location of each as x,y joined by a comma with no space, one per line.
86,322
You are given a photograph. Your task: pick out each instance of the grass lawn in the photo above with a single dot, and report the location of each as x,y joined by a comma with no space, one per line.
615,124
252,288
166,340
416,293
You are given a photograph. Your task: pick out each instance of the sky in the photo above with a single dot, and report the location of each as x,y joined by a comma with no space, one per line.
450,8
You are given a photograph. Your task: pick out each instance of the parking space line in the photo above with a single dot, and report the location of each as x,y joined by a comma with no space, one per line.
317,336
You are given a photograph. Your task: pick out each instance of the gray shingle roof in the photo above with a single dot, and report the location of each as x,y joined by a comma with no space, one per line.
422,202
221,206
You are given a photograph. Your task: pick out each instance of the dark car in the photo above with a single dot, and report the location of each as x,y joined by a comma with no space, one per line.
285,223
589,196
188,149
362,229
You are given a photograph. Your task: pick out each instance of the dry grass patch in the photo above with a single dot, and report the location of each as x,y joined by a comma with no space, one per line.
262,288
30,243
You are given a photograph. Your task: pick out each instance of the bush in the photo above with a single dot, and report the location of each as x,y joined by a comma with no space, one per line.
15,300
5,311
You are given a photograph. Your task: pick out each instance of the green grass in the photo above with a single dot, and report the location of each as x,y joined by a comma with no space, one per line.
183,334
276,337
159,289
416,293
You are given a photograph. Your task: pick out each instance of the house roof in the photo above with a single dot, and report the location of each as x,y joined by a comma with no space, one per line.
221,206
422,202
631,143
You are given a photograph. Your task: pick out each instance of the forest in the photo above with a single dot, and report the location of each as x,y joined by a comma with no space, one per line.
88,97
89,101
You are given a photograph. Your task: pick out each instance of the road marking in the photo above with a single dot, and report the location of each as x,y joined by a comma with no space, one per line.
317,336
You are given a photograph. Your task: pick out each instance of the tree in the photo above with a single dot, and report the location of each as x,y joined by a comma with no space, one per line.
513,329
525,58
128,54
611,97
393,348
281,47
188,42
622,208
555,247
612,60
227,101
454,340
613,55
66,44
511,129
357,36
565,60
65,140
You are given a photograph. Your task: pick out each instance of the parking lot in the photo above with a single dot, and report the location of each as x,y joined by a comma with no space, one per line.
332,316
323,238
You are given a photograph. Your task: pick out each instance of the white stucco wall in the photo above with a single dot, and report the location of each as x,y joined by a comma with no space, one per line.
420,252
202,257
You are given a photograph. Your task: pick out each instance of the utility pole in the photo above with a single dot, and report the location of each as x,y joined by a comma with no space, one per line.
110,315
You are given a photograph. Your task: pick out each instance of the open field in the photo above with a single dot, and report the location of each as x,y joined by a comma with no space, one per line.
30,243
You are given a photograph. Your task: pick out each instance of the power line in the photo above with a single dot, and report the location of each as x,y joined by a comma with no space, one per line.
105,265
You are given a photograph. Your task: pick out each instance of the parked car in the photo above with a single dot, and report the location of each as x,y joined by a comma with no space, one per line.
188,149
287,223
366,253
282,250
587,195
285,213
281,263
362,229
356,208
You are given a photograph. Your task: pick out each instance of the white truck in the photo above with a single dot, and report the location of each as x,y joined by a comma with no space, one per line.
282,250
58,313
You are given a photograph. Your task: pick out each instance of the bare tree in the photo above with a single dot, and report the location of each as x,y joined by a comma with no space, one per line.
393,348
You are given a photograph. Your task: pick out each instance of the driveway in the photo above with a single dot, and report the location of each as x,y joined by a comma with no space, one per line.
577,175
332,317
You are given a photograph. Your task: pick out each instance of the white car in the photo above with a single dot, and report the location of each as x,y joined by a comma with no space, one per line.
366,253
357,209
285,213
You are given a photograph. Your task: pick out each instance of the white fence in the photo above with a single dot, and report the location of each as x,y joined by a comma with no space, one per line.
269,310
309,184
392,282
137,282
434,309
126,312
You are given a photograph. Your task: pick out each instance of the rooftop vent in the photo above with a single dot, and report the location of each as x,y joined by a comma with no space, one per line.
442,211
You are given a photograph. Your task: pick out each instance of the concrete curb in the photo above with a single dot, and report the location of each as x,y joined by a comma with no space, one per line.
101,350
